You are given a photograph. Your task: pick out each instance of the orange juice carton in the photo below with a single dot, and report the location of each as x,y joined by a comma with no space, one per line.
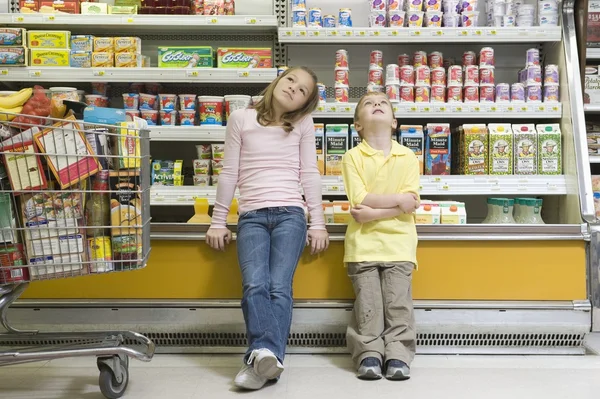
429,212
336,145
341,212
412,136
320,141
453,212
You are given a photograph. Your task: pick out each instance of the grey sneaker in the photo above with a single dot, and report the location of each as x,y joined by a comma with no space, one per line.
397,370
370,369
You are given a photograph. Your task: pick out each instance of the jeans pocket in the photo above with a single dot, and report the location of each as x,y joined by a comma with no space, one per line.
246,215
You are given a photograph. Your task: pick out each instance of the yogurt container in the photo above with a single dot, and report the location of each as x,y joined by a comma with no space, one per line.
415,19
548,20
469,19
167,101
211,110
235,102
187,102
451,20
150,116
433,19
96,100
131,101
187,118
414,5
168,118
396,18
433,5
148,101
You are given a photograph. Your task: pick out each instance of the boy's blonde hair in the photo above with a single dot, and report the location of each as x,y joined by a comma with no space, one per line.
264,108
361,102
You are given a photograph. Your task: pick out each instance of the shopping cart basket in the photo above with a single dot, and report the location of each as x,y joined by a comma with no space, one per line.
74,201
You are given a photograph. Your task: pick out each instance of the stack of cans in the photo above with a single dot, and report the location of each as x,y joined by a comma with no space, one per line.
342,77
375,81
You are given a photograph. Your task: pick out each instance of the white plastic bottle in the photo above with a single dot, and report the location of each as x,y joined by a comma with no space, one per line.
506,211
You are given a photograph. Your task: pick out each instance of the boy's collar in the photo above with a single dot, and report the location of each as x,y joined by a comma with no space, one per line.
368,150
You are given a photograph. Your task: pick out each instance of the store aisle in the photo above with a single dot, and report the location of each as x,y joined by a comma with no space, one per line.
316,377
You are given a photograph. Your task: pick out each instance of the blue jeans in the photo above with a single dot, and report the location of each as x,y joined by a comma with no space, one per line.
270,242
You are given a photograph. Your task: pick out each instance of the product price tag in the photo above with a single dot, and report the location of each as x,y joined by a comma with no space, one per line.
321,108
492,32
552,187
332,108
396,108
522,108
478,32
347,109
3,72
361,33
435,179
181,198
127,20
393,33
521,187
332,32
415,33
426,108
444,187
437,33
251,21
523,32
457,109
243,74
98,73
333,188
509,108
288,33
492,108
192,74
301,33
540,108
212,20
476,108
413,109
555,108
420,188
48,18
374,33
462,33
495,187
18,18
347,33
314,33
440,108
35,74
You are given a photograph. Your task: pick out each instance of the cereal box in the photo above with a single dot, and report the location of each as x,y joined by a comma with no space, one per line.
500,149
82,43
81,59
412,136
475,150
48,39
525,151
128,45
103,60
12,36
244,58
128,60
319,142
438,149
336,145
15,56
185,57
104,44
50,57
549,149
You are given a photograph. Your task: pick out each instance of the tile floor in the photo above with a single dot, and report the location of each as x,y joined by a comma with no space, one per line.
316,377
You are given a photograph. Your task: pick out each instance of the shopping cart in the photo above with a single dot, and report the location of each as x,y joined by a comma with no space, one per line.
74,201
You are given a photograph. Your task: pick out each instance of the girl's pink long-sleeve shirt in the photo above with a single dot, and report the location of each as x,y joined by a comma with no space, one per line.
268,165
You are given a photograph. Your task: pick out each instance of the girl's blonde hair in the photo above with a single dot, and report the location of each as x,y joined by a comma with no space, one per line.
264,108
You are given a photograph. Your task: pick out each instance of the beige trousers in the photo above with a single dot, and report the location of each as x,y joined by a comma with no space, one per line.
383,325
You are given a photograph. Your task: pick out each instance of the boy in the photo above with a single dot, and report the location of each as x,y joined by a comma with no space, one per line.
382,183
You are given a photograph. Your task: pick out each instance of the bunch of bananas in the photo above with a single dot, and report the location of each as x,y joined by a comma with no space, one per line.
12,105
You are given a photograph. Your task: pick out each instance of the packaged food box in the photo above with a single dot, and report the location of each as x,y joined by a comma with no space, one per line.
123,10
319,143
178,173
60,245
336,145
81,59
128,45
163,173
125,202
82,43
549,149
103,60
47,39
104,44
12,36
56,266
355,138
428,212
67,6
341,212
128,60
128,146
94,8
412,136
593,24
13,56
452,212
438,149
13,255
591,93
186,57
24,168
525,151
29,5
127,251
500,149
52,214
474,151
49,57
244,58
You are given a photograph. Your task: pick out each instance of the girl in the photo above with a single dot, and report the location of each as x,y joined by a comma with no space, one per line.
269,151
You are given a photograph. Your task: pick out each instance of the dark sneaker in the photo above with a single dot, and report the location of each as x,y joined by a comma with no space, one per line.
397,370
370,369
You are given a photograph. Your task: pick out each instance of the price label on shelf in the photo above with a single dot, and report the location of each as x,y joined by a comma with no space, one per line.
476,108
457,109
509,108
435,179
444,187
314,33
540,108
361,33
18,18
332,108
321,108
555,108
416,33
492,32
521,187
495,187
493,108
440,108
127,20
552,187
395,108
522,108
301,33
413,109
347,33
523,32
426,109
332,32
212,20
478,32
420,188
437,33
243,74
48,18
251,21
3,72
462,33
192,74
347,109
393,33
99,73
374,33
288,33
335,189
35,74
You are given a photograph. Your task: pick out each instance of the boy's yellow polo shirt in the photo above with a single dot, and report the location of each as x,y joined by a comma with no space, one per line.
368,171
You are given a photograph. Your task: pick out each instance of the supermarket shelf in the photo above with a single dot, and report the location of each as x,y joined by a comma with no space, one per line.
469,232
140,23
192,133
591,109
451,110
419,35
594,159
592,53
128,75
430,186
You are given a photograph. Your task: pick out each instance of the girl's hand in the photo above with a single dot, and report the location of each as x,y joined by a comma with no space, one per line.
362,213
408,203
318,240
217,238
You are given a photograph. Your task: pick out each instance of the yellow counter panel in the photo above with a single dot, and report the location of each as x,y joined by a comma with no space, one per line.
448,270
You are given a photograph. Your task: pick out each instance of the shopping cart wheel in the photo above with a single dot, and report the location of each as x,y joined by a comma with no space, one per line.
114,375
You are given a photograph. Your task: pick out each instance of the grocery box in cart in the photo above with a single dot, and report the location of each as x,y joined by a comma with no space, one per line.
23,166
12,255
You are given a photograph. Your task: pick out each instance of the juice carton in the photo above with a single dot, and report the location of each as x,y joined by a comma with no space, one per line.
355,138
429,212
438,149
412,136
453,212
525,151
328,211
341,212
500,149
336,145
474,150
549,149
319,141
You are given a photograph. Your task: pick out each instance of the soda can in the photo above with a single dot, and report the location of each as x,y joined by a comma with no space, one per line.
378,19
419,58
471,94
502,93
469,58
438,93
438,76
436,60
392,74
379,5
393,92
534,75
422,94
533,94
551,74
342,76
376,76
329,21
341,59
403,59
533,57
486,57
375,88
315,17
407,94
322,92
487,94
407,75
281,69
376,59
299,5
486,76
517,92
422,76
342,93
345,17
299,19
551,94
472,75
455,75
454,94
